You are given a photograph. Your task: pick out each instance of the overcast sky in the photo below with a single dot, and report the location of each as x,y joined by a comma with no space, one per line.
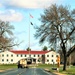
17,12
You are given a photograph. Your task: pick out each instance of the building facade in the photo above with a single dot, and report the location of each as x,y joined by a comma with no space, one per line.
11,57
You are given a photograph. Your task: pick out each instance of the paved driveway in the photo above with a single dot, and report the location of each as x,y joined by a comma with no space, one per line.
30,71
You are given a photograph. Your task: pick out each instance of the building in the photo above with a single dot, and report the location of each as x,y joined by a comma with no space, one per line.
13,56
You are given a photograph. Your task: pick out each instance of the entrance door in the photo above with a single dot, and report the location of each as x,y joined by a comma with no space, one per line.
34,60
29,61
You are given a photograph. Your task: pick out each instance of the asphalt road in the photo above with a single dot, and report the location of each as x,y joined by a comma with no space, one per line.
30,71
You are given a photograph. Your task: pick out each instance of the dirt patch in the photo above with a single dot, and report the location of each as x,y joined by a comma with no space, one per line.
58,73
47,70
1,70
5,70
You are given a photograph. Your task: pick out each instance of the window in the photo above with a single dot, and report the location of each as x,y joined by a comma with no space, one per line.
47,60
34,55
52,60
38,55
2,55
7,55
52,55
47,55
25,55
2,60
11,55
11,60
21,55
38,60
17,55
7,60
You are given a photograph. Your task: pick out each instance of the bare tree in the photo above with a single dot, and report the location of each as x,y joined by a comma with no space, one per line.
58,22
6,36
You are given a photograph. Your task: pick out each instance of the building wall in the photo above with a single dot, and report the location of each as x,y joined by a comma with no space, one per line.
8,57
51,57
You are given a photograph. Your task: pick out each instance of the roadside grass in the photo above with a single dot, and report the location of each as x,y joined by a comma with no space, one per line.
48,66
10,66
70,70
7,66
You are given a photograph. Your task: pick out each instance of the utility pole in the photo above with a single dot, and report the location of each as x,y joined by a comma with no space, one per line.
29,36
30,23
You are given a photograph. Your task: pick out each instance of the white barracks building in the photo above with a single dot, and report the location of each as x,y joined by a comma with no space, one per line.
11,57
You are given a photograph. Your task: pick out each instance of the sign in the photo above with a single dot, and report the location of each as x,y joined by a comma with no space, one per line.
58,61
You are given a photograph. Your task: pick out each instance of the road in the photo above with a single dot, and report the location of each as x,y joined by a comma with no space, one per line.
30,71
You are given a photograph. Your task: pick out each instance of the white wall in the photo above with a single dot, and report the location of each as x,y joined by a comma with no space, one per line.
4,56
16,58
51,57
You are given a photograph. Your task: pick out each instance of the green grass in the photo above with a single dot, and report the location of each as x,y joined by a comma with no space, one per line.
7,66
69,71
43,66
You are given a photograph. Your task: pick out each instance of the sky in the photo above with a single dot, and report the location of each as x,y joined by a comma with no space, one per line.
18,12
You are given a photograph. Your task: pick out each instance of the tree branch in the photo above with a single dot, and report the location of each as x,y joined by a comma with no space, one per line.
71,50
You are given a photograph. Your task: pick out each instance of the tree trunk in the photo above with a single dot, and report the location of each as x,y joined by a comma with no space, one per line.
65,57
65,62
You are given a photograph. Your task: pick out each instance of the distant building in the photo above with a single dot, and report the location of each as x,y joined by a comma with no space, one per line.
46,57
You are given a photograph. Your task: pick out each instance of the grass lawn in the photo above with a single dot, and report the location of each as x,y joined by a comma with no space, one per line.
7,66
70,70
48,66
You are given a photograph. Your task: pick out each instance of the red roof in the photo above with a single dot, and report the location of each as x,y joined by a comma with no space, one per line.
29,52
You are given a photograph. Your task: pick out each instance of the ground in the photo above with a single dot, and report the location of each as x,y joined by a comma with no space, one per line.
1,70
58,73
54,72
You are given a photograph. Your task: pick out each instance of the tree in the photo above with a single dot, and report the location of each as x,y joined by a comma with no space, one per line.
58,23
6,41
43,56
28,49
45,48
52,49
